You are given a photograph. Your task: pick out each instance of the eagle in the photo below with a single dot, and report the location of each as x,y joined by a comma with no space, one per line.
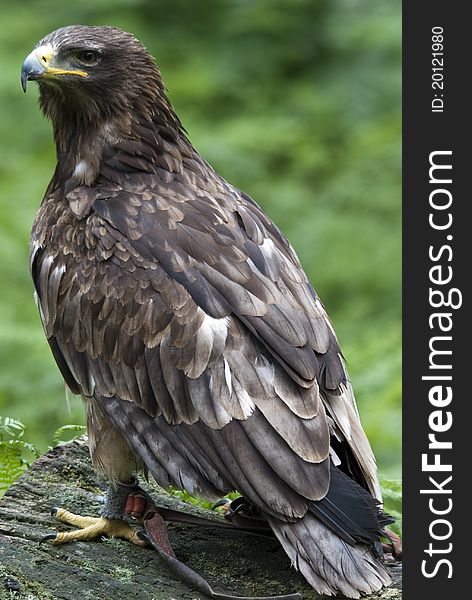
181,314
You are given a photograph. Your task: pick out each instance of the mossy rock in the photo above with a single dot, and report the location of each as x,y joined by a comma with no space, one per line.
232,561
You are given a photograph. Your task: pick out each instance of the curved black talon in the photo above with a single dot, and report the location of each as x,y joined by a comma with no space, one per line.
142,536
240,505
129,486
221,502
49,536
234,506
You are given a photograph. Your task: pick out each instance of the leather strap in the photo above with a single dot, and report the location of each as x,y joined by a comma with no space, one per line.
139,502
142,508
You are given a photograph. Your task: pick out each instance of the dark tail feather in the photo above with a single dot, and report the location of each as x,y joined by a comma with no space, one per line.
350,511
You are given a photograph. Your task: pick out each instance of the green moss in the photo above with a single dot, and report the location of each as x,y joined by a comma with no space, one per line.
113,542
123,574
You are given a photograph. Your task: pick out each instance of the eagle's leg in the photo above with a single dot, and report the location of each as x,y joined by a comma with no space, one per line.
114,460
111,523
240,507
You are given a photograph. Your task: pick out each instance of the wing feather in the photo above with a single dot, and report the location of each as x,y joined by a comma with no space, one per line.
191,321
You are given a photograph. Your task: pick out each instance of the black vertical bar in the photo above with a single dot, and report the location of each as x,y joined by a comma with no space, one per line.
437,119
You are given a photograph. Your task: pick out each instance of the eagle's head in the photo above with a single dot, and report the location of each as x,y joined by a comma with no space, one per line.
92,73
103,92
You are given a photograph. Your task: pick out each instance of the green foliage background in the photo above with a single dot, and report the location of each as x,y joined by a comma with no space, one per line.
295,101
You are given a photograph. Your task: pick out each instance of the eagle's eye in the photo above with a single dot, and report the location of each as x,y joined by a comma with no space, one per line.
88,57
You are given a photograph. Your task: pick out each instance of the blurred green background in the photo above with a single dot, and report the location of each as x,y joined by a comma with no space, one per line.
295,101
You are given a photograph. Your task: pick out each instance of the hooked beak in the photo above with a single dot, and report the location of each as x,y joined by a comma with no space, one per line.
32,68
39,65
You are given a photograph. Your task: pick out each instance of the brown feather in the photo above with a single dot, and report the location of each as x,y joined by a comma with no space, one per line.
181,313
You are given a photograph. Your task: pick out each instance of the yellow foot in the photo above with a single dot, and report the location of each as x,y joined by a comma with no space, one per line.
92,527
